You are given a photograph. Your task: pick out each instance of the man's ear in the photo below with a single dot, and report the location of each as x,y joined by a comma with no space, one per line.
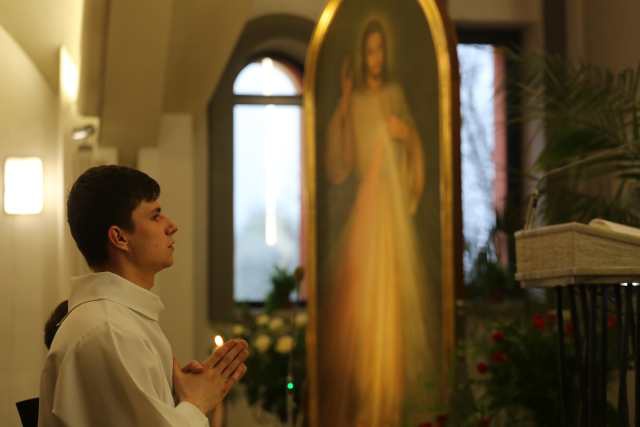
118,238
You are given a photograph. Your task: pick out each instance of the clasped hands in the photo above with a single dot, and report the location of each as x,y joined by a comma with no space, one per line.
205,384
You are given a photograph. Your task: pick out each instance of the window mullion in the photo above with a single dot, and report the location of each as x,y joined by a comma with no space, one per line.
266,100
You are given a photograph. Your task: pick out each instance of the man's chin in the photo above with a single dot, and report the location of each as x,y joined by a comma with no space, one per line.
167,264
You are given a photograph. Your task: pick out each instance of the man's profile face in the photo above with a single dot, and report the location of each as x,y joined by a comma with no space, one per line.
151,242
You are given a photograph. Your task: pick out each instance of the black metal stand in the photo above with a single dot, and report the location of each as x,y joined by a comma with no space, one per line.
598,313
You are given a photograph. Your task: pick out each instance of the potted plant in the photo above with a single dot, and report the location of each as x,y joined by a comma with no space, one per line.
589,165
275,381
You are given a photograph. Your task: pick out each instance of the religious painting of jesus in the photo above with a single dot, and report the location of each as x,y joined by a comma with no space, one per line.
386,225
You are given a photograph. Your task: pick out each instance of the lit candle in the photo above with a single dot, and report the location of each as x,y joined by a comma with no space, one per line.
218,341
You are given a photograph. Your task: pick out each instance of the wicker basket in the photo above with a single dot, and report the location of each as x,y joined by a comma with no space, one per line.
573,253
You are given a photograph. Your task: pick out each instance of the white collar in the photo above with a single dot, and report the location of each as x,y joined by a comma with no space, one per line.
110,286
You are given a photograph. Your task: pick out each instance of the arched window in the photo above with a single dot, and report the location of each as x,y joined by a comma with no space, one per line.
260,87
267,132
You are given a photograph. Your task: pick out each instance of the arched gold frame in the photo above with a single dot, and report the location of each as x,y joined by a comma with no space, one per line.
450,213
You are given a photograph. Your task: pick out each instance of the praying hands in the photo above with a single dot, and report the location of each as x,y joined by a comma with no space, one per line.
205,384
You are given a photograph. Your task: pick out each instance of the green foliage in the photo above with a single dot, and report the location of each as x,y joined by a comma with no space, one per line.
591,120
585,108
276,337
283,283
527,377
590,117
267,373
516,380
488,279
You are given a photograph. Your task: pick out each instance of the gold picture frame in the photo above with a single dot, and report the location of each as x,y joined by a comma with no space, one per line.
447,191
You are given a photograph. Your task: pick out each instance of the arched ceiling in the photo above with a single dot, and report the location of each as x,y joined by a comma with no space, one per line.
138,59
144,58
40,27
148,57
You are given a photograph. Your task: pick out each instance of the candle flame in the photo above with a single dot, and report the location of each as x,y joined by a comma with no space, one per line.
218,340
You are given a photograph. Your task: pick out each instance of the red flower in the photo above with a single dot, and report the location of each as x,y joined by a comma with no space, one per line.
612,321
499,357
497,336
484,422
482,368
442,420
538,321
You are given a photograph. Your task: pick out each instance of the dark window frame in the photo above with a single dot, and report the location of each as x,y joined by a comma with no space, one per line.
265,100
264,36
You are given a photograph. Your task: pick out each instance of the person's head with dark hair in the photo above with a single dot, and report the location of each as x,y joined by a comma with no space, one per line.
116,220
52,325
374,52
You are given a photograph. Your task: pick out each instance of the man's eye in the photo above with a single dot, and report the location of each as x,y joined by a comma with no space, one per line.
156,217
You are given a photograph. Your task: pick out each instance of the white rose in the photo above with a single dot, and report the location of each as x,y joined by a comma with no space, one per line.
284,344
262,320
238,330
276,324
301,319
262,343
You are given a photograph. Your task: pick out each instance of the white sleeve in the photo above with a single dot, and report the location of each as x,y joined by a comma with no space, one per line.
114,377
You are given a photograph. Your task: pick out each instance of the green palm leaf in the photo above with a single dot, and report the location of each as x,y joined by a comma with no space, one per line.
590,117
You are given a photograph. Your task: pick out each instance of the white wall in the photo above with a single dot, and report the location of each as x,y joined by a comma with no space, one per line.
612,33
200,212
604,33
40,27
171,164
495,12
29,256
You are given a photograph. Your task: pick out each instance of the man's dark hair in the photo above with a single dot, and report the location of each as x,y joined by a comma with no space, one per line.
101,197
53,324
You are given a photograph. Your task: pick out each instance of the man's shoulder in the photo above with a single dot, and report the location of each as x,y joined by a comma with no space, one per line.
93,320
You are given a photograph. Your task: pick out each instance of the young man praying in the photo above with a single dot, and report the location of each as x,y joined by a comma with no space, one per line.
110,364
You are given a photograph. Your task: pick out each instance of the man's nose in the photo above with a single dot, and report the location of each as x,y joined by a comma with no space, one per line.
173,228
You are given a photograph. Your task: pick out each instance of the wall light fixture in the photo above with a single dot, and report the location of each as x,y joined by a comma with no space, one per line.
23,185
